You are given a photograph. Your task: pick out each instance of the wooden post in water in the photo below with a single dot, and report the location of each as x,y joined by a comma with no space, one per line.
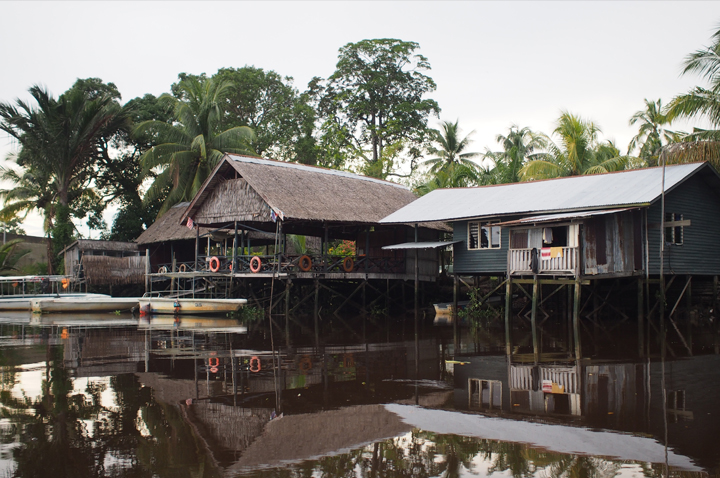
147,272
417,311
533,316
508,316
316,318
576,319
688,312
287,313
641,317
455,313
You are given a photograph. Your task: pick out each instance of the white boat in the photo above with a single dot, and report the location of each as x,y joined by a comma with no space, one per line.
83,304
169,305
189,322
23,302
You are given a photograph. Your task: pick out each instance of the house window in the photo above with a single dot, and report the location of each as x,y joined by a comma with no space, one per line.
484,394
483,236
673,233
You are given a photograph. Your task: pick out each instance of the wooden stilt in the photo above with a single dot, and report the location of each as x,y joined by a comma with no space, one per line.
641,317
455,313
287,313
533,323
316,318
576,320
508,315
688,313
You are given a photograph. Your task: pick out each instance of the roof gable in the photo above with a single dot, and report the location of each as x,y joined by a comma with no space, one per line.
601,191
307,193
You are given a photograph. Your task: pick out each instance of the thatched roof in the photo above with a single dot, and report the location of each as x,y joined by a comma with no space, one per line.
99,245
253,187
168,227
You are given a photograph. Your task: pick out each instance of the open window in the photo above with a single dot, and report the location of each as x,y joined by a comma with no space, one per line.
674,234
483,236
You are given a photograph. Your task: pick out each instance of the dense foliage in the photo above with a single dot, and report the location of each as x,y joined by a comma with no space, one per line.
84,150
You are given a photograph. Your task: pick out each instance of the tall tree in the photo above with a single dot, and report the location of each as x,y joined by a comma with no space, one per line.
59,139
699,103
519,146
186,152
269,104
375,98
577,152
449,148
651,133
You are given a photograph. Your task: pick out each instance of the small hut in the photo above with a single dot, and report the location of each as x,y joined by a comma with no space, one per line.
104,263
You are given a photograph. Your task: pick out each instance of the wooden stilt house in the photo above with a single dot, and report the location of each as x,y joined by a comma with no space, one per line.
246,195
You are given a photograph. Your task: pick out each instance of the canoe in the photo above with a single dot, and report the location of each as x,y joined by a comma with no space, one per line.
167,305
23,302
83,304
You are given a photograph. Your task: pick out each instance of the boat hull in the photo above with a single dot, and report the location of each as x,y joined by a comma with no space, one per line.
95,304
165,305
20,302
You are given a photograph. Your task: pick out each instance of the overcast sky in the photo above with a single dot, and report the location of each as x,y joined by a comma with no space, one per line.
495,63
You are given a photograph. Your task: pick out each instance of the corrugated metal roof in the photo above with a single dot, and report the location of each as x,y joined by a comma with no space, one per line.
561,217
627,188
420,245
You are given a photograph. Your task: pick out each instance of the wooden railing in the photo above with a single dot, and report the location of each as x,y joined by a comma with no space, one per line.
285,263
565,262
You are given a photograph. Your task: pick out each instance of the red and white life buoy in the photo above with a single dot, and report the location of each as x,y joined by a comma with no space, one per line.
255,264
214,264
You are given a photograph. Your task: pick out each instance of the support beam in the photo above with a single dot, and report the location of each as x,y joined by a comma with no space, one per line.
316,318
287,312
533,324
641,316
508,315
576,320
455,314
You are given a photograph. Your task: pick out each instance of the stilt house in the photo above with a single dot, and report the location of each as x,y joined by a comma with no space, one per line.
595,226
247,195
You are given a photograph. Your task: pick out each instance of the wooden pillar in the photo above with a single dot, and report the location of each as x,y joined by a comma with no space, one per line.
235,248
688,313
287,313
641,317
455,313
533,316
508,316
147,272
417,311
197,253
316,317
576,319
715,294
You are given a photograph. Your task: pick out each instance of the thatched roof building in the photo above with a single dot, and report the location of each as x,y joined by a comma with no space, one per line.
252,190
168,228
104,262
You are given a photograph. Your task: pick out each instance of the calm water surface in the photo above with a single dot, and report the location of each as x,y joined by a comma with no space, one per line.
119,396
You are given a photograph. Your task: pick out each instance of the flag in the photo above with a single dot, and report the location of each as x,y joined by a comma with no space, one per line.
190,223
273,216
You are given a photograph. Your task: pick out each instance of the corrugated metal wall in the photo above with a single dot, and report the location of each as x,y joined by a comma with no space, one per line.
610,243
482,261
700,252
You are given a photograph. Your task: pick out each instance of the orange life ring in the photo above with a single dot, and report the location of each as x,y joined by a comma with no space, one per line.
214,264
213,361
182,268
255,364
348,264
255,265
305,364
230,267
305,263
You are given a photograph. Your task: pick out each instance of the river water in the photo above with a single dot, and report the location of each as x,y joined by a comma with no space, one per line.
121,396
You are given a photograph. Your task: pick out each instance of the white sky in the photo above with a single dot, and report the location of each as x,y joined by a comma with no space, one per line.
495,63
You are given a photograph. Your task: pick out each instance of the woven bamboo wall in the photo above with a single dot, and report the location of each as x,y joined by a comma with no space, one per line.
106,270
233,200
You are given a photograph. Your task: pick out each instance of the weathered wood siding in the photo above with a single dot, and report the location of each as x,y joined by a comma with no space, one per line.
610,244
699,254
481,261
233,200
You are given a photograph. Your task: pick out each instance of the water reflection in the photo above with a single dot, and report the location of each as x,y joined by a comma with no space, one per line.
118,396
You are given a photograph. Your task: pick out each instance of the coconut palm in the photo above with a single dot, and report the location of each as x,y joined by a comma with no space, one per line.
577,152
186,152
700,102
451,148
452,176
31,191
519,146
649,139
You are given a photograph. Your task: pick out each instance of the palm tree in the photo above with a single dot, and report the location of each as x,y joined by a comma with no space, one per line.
187,151
519,146
700,102
9,258
451,148
452,176
578,152
649,138
32,191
